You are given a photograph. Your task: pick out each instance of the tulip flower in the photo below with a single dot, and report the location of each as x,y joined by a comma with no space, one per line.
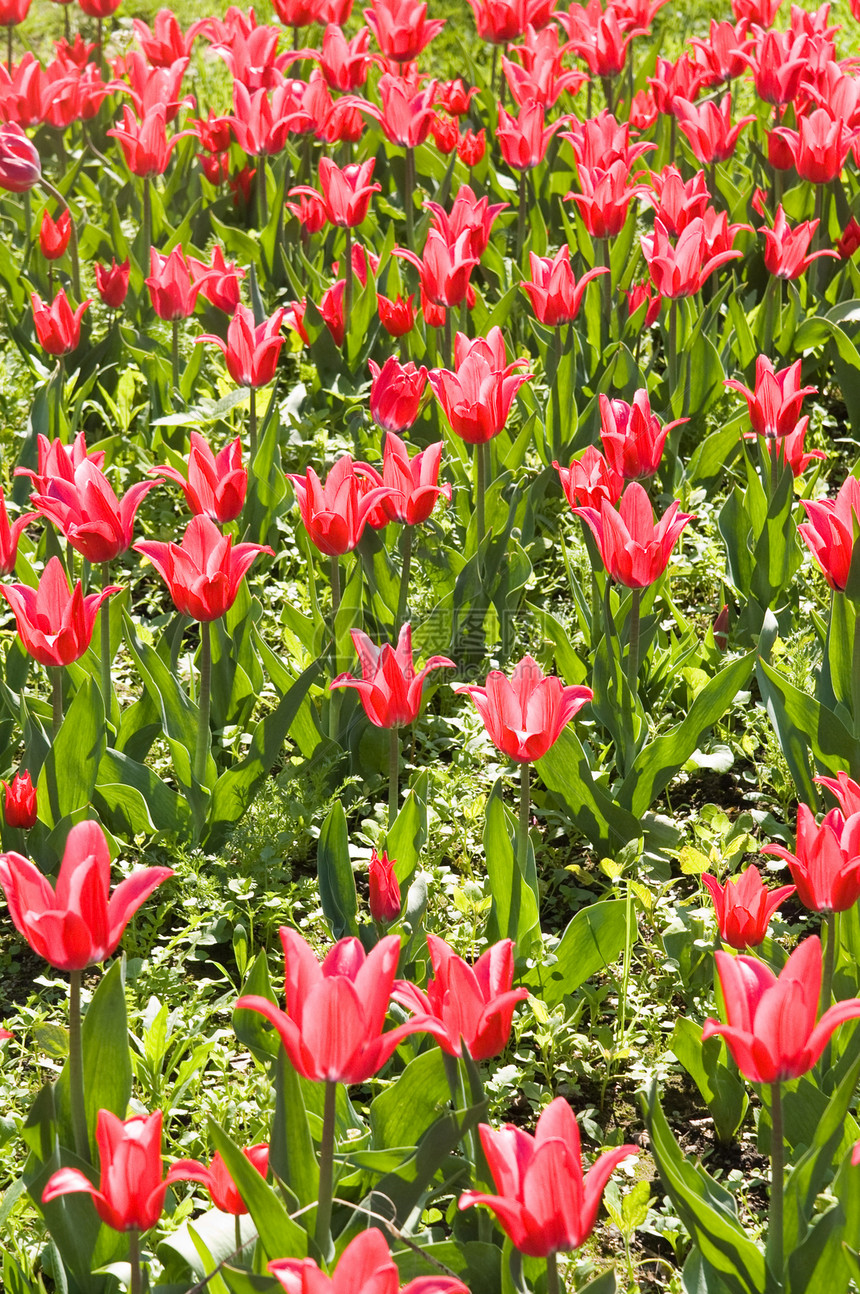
826,866
785,248
251,350
499,21
384,899
849,240
398,316
96,524
605,198
601,43
589,480
554,293
476,398
778,63
364,1267
445,268
401,28
58,327
524,715
819,147
346,193
775,401
395,393
472,147
204,572
411,484
55,624
678,201
164,42
112,283
641,294
407,113
474,1005
634,550
172,290
309,211
545,1205
335,513
744,906
57,459
790,449
20,165
217,483
524,139
54,235
846,791
10,533
19,805
708,126
220,282
680,270
345,63
217,1180
830,531
389,688
632,436
145,142
468,213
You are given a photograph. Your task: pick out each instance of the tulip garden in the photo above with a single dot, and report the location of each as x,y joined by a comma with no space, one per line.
429,647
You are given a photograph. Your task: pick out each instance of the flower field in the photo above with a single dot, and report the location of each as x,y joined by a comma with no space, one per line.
429,653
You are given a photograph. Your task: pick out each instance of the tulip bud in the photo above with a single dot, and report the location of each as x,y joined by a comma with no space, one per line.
472,147
721,630
385,902
54,235
112,283
19,806
850,240
20,167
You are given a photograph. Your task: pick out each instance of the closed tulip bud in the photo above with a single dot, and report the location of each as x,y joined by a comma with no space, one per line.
721,630
58,327
850,240
395,393
385,901
397,317
20,166
217,1180
54,235
19,806
445,133
112,282
744,907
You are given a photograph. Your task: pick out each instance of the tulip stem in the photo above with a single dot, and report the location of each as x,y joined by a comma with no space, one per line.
633,641
9,48
606,318
672,355
829,962
175,357
393,775
480,491
773,288
855,675
347,293
625,971
552,1282
523,823
262,196
252,423
203,701
76,1069
136,1283
322,1234
448,357
777,1154
335,586
408,198
406,564
238,1231
56,674
521,217
104,626
73,236
147,224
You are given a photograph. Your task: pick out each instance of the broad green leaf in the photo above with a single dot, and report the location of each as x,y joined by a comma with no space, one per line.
291,1149
132,799
592,941
408,833
718,1081
566,772
514,913
251,1029
406,1108
71,766
280,1236
336,879
802,723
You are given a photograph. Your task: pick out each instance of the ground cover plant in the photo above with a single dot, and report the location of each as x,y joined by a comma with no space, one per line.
430,674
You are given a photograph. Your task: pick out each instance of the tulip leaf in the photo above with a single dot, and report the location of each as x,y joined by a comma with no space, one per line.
590,944
801,723
706,1208
336,879
291,1149
566,772
212,1233
250,1028
514,913
408,833
71,765
717,1079
131,799
404,1110
661,759
475,1262
280,1236
242,1282
603,1284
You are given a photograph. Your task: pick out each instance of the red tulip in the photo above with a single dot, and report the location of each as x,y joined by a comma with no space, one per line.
216,484
411,483
709,130
385,901
401,28
850,240
332,1029
172,290
790,449
830,531
445,268
819,147
345,63
826,867
545,1203
722,53
79,925
524,715
96,524
603,140
785,248
472,147
10,533
20,166
474,1005
99,8
677,201
553,291
220,281
57,459
632,436
389,688
771,1031
468,214
778,63
445,133
131,1191
407,112
58,327
499,21
640,294
846,790
298,13
605,198
335,513
112,283
13,12
145,143
364,1267
251,350
217,1180
541,76
635,552
523,140
19,805
681,270
164,42
346,193
310,212
589,480
397,317
54,235
477,397
395,393
774,403
744,907
204,572
262,122
55,624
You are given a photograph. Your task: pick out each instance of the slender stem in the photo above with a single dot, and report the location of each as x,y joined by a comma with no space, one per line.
448,356
322,1234
480,491
347,295
104,619
672,358
252,422
175,356
855,674
777,1156
238,1231
204,700
552,1282
829,962
67,26
556,398
262,196
393,774
772,443
606,281
9,48
625,971
56,673
335,585
408,197
147,223
494,67
76,1069
59,392
403,599
521,218
523,823
136,1282
819,272
774,288
73,236
633,641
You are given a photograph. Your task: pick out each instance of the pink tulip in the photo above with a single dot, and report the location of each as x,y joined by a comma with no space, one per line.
634,550
525,715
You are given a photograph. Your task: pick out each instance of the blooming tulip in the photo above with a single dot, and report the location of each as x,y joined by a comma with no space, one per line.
364,1267
112,283
220,282
216,484
830,530
523,140
744,907
57,459
678,201
477,397
401,28
826,866
19,805
54,235
58,327
680,270
397,317
332,1029
407,113
412,483
771,1031
217,1180
819,147
445,267
20,166
55,624
708,126
635,552
785,248
472,147
790,449
335,513
553,291
204,572
545,1204
524,715
475,1005
499,21
172,290
10,533
251,350
589,480
389,688
778,63
632,436
395,393
468,213
346,193
344,63
79,924
145,143
849,240
97,524
384,899
774,403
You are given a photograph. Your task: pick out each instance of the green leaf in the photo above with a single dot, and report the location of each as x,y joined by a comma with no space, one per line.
566,772
250,1028
291,1149
590,944
404,1110
131,799
707,1063
280,1236
514,913
336,879
802,723
107,1060
69,772
408,834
